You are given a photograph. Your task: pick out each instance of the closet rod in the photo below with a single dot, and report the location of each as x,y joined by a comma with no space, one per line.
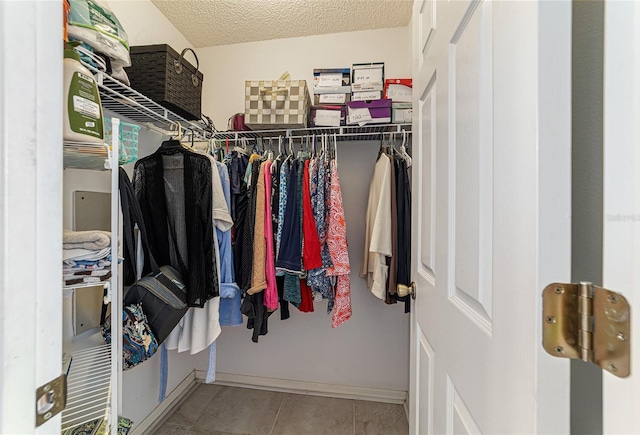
342,136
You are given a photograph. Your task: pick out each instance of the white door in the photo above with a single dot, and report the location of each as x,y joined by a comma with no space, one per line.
621,237
30,209
491,214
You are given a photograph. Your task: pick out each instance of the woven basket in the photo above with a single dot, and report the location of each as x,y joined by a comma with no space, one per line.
160,73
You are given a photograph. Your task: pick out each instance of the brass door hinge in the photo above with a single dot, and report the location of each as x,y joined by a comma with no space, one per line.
51,399
590,323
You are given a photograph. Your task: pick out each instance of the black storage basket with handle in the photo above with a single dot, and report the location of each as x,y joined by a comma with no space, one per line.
160,73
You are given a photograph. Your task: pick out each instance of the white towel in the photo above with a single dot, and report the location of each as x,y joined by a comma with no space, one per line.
94,239
85,254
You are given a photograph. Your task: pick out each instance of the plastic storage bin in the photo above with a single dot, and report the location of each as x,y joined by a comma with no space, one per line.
128,151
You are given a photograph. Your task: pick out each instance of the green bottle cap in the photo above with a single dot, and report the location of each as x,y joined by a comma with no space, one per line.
70,51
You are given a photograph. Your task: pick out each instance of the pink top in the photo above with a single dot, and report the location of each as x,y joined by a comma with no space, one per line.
337,244
271,292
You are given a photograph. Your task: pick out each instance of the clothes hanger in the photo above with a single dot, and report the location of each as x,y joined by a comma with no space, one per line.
174,138
241,149
279,156
403,150
335,149
300,151
290,155
327,155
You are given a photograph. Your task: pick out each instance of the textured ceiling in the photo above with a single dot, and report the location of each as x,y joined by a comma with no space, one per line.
220,22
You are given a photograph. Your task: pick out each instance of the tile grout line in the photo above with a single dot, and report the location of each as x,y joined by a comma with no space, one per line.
277,414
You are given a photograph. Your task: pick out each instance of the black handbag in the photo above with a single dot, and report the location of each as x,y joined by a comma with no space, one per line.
162,293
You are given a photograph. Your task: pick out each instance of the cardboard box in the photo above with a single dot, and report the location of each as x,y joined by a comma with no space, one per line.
331,77
328,116
320,99
399,90
276,104
369,112
401,113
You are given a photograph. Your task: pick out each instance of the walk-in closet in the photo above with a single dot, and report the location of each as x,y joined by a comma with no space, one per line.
364,357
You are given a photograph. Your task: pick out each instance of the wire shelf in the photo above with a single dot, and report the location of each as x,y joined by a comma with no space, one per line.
129,103
349,132
106,283
88,387
85,155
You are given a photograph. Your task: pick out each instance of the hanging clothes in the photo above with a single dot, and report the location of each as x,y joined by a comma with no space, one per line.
258,274
246,258
378,238
237,165
230,299
403,195
317,278
271,291
173,186
311,258
278,204
337,246
290,252
253,304
199,328
392,261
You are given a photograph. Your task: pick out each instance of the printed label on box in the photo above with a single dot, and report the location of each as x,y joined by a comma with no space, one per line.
359,116
402,115
333,98
329,118
367,75
365,87
399,93
363,96
328,80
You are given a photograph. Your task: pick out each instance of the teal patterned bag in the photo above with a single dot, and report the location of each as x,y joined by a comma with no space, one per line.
138,342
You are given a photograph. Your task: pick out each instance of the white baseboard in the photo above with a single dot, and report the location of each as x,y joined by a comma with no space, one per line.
311,388
406,408
163,410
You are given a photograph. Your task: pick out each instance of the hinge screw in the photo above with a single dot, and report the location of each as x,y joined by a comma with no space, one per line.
46,388
48,415
559,349
551,319
559,290
621,336
612,299
613,367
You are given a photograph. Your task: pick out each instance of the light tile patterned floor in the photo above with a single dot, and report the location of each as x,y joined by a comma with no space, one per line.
218,410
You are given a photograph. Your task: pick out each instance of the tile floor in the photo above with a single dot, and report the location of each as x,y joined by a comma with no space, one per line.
219,410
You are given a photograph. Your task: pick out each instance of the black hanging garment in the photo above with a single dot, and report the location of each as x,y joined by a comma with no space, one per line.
253,304
173,187
239,206
403,196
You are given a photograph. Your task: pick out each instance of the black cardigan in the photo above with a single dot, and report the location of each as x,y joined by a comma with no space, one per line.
197,264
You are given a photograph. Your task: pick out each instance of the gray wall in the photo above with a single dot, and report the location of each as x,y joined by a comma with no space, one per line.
587,65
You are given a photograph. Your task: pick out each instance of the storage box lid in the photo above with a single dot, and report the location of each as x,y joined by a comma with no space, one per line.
143,49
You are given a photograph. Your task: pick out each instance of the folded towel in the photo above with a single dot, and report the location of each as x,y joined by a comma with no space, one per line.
95,239
72,267
85,254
